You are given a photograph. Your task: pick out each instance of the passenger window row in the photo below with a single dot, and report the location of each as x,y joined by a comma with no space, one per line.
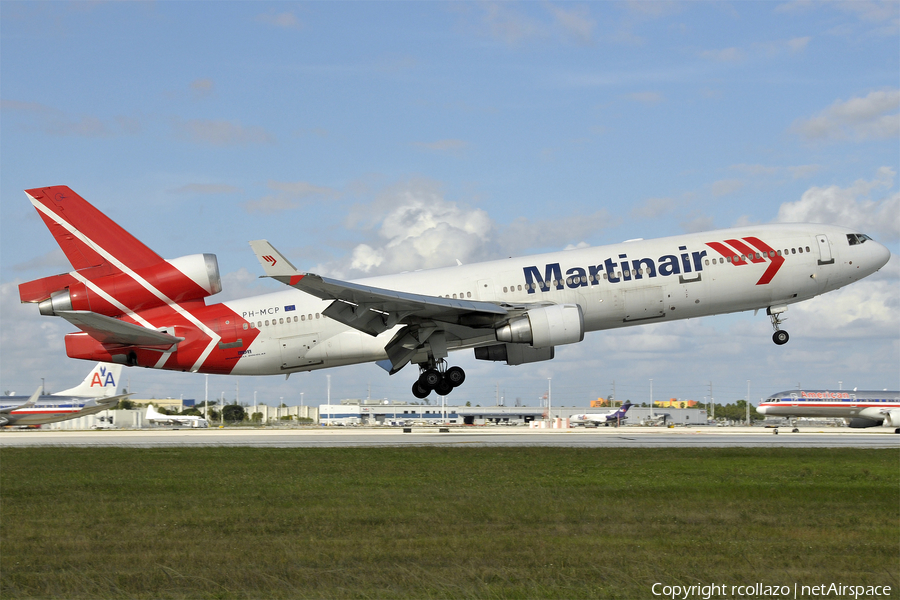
744,257
280,321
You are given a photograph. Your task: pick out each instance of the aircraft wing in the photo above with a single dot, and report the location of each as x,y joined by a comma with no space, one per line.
108,330
28,403
375,310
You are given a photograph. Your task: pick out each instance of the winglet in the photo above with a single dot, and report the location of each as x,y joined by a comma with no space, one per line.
275,264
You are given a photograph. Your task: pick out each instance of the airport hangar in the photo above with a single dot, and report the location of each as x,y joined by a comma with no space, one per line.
383,412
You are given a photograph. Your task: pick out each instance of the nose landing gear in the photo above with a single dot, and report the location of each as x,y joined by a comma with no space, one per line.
435,376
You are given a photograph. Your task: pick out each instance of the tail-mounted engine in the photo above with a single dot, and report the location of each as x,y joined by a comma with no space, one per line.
182,279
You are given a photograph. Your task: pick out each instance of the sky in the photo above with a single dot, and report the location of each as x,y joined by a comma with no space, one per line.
366,138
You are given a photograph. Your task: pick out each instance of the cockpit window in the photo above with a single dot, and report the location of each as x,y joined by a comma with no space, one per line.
857,238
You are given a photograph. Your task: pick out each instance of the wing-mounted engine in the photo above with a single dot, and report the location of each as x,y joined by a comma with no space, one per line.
514,354
105,290
545,327
892,418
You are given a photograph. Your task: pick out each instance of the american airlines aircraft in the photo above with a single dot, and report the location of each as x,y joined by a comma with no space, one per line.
97,392
857,408
135,308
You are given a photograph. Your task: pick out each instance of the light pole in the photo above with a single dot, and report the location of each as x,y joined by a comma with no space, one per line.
549,399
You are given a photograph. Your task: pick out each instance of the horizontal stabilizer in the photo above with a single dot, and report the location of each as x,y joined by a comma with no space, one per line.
113,332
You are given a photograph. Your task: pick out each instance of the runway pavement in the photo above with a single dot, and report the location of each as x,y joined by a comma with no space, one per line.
624,437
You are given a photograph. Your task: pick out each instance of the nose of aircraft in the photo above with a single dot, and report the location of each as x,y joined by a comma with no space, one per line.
761,410
880,256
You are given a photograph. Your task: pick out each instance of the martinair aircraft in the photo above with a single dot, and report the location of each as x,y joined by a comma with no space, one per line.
135,308
95,393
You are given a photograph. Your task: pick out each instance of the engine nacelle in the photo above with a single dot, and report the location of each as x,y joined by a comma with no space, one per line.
187,278
857,423
514,354
544,327
892,419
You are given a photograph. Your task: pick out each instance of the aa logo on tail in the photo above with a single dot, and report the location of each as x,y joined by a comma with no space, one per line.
103,378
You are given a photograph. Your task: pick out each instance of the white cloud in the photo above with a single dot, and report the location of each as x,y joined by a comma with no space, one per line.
27,339
510,26
503,21
645,97
652,208
422,230
576,23
724,55
725,187
289,195
412,226
55,122
220,133
869,309
851,206
54,261
206,188
282,20
859,119
202,88
449,146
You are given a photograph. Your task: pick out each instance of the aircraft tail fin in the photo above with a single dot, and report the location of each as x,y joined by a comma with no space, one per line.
87,236
103,380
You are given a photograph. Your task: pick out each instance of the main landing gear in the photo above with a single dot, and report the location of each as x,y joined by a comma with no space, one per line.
780,337
435,376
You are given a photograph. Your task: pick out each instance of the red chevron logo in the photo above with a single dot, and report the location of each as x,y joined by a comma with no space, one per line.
270,259
739,253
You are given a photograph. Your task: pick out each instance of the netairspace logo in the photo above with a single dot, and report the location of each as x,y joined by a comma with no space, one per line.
761,590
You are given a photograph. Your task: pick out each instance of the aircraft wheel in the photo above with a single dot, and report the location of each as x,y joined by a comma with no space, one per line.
775,431
780,337
795,430
443,387
430,378
419,391
455,375
897,430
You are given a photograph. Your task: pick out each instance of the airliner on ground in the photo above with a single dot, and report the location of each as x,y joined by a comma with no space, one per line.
97,392
857,408
158,418
613,416
135,308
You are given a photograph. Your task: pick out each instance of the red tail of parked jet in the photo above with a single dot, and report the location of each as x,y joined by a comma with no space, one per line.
133,307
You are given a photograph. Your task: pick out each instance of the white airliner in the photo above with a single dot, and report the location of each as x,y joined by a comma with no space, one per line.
158,418
613,416
97,392
136,308
857,408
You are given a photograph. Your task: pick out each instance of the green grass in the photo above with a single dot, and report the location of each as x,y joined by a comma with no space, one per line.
441,522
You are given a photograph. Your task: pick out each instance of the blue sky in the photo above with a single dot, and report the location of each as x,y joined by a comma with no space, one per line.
369,138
